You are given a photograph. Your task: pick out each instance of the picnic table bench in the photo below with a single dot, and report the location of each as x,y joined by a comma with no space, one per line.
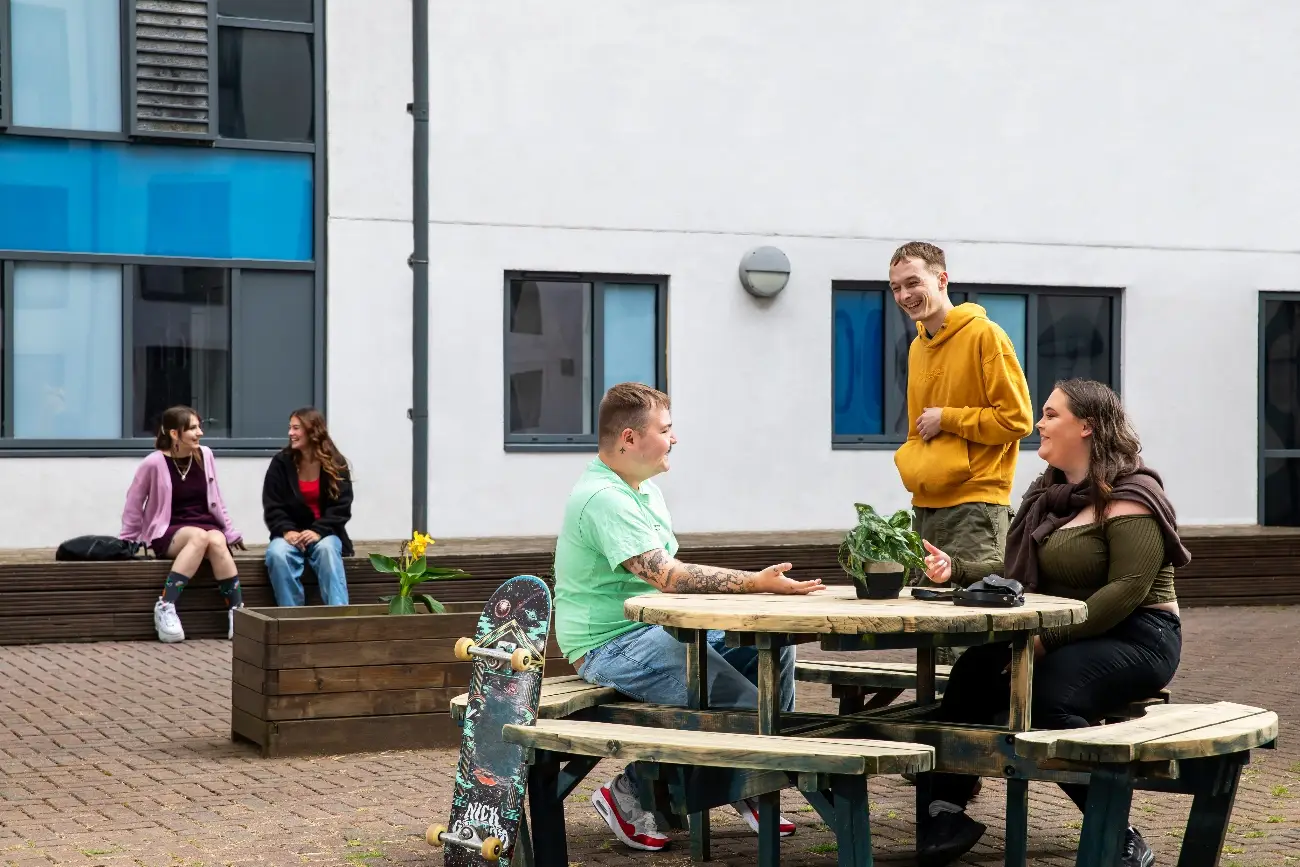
832,773
852,680
1196,749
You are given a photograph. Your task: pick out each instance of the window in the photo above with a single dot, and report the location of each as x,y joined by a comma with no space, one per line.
1280,410
138,271
135,199
269,10
1058,333
99,351
568,339
180,334
67,351
66,64
247,108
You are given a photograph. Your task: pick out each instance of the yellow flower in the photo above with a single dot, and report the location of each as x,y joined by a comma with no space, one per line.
419,542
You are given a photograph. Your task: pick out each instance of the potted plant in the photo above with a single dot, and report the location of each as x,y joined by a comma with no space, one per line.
878,552
411,569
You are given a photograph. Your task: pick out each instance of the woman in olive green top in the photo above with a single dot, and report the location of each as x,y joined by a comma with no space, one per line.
1095,526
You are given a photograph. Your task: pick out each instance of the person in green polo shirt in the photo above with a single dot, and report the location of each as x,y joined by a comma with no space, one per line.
617,542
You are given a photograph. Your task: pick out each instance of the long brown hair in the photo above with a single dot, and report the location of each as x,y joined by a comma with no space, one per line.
332,462
1114,448
176,418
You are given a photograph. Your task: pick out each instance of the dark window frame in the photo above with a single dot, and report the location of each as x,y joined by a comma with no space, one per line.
129,446
127,51
893,326
1266,454
582,442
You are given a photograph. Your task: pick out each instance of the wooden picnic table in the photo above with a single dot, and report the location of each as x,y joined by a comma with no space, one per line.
840,621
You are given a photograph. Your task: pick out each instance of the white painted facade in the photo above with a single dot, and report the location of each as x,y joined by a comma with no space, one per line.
1142,145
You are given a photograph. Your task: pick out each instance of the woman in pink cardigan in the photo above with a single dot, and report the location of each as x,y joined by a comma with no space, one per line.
174,506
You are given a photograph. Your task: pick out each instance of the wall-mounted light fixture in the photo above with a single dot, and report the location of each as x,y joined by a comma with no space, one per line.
764,271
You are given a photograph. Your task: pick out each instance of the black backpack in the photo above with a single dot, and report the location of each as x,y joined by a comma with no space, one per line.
97,548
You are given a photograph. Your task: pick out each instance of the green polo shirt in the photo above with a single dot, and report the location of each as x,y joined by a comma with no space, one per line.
605,523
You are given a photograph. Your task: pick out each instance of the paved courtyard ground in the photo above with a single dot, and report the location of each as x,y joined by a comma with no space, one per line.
119,754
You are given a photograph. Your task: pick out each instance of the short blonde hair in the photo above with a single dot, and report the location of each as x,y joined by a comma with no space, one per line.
627,405
928,253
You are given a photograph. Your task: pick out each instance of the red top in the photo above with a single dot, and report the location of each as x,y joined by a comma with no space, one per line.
311,495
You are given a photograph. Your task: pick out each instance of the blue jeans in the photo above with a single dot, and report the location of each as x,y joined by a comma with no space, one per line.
649,665
284,564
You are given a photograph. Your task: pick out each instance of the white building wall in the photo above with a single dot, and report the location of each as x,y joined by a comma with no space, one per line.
1136,144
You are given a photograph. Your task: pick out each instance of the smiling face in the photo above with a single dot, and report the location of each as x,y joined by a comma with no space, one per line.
1066,438
920,290
646,450
187,439
297,434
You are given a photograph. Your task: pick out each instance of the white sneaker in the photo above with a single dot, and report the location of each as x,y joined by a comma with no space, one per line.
167,622
633,826
230,615
748,810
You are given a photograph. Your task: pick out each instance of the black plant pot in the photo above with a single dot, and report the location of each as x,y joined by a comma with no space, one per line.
880,584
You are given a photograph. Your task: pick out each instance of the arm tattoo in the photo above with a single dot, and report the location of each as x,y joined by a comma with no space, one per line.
673,576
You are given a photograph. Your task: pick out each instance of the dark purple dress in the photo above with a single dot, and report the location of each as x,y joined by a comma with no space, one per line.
189,504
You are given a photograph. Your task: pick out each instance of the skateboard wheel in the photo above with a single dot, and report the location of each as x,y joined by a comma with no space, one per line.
462,648
433,836
491,849
520,659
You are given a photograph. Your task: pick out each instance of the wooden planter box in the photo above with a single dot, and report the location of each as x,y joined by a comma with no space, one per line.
351,678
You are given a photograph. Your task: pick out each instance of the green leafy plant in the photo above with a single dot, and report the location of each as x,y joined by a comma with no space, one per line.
411,568
877,539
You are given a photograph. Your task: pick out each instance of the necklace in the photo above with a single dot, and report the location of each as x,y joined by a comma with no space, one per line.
185,472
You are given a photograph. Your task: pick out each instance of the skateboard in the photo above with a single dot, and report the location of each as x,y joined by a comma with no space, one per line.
508,652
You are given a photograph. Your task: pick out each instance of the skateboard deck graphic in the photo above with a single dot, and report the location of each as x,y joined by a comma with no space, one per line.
505,688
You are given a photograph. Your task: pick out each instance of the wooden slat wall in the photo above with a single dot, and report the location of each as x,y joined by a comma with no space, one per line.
53,601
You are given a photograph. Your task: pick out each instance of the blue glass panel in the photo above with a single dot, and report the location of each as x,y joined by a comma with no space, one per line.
631,333
67,64
107,197
1009,312
67,351
859,349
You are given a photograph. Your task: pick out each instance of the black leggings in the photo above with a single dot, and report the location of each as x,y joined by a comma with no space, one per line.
1073,685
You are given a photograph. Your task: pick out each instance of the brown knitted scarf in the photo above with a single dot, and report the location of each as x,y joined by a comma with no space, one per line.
1052,502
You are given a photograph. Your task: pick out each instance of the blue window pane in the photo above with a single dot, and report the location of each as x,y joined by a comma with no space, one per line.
859,350
66,64
67,371
1009,312
107,197
631,333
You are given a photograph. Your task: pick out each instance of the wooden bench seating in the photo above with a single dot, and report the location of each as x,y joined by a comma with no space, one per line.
852,681
722,749
832,773
113,601
561,697
1167,732
1198,749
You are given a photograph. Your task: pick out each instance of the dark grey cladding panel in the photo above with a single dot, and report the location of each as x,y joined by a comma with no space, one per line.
173,68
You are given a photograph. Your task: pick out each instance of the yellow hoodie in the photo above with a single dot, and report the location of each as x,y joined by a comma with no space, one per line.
970,369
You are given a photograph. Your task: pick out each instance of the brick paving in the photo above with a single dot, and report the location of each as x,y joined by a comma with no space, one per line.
119,754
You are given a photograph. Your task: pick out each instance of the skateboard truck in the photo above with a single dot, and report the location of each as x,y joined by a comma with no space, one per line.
520,660
437,835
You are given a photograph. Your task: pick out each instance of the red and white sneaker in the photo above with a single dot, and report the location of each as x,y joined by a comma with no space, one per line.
632,825
748,810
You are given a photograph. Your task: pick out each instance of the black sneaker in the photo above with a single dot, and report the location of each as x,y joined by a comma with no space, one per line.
946,837
1136,851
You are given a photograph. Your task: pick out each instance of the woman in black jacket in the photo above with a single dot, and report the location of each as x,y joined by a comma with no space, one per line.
306,502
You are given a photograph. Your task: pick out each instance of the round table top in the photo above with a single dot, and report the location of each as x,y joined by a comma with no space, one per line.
838,610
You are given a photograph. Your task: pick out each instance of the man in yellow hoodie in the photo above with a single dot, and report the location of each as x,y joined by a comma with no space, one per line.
968,402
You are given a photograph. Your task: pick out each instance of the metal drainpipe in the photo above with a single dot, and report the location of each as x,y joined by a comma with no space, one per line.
419,263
